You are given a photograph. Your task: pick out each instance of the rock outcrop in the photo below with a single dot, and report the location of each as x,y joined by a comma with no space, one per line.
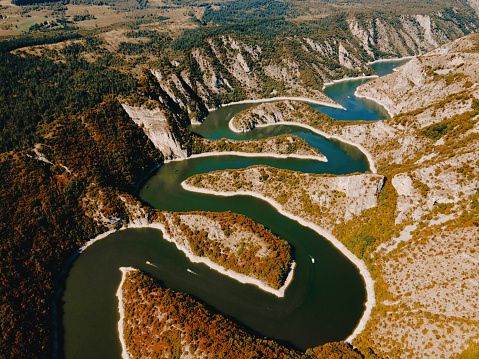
427,79
156,127
323,200
420,237
405,35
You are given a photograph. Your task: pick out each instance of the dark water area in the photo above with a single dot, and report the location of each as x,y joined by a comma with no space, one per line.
324,302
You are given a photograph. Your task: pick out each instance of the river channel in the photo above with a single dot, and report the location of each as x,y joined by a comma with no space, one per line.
325,300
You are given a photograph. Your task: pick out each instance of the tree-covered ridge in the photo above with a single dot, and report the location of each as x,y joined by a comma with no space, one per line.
51,200
117,4
239,11
41,224
234,242
36,91
214,65
159,322
205,67
103,143
287,145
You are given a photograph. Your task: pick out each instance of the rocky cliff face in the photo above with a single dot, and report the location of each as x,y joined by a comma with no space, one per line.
407,35
430,156
264,114
232,67
325,201
427,79
156,127
425,256
227,70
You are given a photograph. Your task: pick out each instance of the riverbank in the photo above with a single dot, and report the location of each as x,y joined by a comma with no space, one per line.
283,98
121,311
390,60
212,265
371,299
368,155
345,79
249,154
380,103
143,223
63,272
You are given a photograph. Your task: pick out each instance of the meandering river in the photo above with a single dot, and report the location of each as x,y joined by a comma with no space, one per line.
325,300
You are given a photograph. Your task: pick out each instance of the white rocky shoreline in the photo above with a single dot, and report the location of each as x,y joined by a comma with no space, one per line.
390,60
121,310
372,165
250,154
345,79
371,298
380,103
282,98
142,223
240,277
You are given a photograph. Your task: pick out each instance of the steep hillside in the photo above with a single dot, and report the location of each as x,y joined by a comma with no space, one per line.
86,113
268,59
54,198
205,67
156,321
428,79
420,239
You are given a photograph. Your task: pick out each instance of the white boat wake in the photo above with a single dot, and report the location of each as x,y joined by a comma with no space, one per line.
190,271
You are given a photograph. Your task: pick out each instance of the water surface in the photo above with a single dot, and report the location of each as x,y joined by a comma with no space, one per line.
325,300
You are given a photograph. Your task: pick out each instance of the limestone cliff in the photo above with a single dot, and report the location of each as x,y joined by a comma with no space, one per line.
407,34
323,200
156,127
230,67
427,79
420,240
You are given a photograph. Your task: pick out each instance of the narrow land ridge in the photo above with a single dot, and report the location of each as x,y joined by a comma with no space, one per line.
368,155
371,299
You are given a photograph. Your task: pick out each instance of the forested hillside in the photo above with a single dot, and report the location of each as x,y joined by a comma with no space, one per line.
49,209
69,151
162,323
35,91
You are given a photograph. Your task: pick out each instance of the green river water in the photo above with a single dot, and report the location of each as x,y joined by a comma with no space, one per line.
325,300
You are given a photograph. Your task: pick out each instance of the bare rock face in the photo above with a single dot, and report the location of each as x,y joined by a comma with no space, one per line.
362,190
427,79
333,198
405,35
408,197
427,258
261,115
474,4
156,127
403,184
